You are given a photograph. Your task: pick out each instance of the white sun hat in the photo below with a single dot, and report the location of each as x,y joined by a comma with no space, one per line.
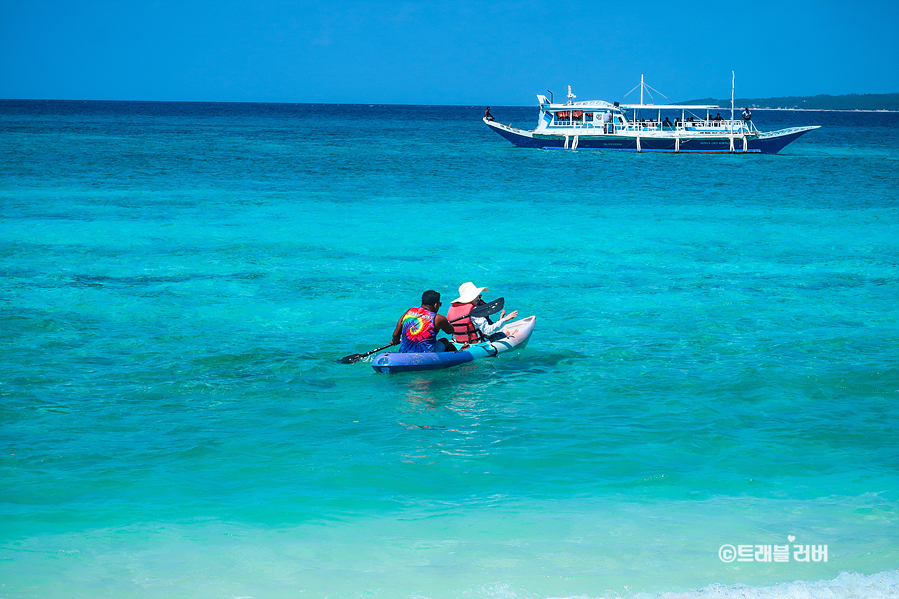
468,292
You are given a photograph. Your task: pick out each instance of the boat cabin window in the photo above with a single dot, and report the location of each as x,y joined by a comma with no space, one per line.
569,117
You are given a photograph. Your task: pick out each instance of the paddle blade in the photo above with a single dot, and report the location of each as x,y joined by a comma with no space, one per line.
488,308
353,358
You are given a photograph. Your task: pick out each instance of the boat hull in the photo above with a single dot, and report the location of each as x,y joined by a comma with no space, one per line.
518,334
764,143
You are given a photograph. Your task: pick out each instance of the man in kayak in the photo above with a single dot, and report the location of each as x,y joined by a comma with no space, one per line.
470,330
416,330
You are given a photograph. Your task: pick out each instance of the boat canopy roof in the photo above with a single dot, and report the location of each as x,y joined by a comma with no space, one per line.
582,105
593,104
670,106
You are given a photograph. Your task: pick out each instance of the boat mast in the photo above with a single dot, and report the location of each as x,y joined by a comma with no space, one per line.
733,79
641,105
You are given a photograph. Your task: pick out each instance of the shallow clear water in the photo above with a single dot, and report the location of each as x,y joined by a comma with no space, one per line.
714,361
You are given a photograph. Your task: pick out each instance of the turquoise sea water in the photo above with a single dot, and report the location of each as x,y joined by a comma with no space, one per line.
715,359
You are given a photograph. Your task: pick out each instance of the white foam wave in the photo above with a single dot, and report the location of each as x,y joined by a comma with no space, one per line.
848,585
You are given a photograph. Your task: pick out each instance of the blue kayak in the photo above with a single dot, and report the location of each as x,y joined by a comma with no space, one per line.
517,335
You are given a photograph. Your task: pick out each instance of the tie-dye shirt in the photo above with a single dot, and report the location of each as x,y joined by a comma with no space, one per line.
419,334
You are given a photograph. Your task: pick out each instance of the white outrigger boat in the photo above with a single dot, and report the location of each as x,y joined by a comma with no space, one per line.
599,125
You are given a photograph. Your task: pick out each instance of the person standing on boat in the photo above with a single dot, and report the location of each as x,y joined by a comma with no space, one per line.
470,330
416,330
487,114
606,120
747,116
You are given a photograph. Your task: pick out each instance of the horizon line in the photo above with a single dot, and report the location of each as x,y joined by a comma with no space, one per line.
373,104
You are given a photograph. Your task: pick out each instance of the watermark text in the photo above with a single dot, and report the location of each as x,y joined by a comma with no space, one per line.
773,553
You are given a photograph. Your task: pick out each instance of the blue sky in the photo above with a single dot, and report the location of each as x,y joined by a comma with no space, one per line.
447,52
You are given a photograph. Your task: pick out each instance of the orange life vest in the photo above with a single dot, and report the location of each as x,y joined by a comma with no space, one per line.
464,330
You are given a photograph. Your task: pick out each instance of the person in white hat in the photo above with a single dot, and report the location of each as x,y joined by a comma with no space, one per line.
471,329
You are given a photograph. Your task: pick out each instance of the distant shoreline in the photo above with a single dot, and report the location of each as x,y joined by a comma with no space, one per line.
825,109
841,103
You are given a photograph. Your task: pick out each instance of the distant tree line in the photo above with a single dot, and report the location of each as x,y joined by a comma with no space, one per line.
820,102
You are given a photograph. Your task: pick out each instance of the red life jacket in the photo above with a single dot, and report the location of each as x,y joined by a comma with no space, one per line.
464,330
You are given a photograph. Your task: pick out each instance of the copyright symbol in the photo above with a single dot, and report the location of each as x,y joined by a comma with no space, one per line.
727,553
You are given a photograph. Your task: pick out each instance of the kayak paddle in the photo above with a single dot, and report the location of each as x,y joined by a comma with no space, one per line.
352,358
482,310
485,309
